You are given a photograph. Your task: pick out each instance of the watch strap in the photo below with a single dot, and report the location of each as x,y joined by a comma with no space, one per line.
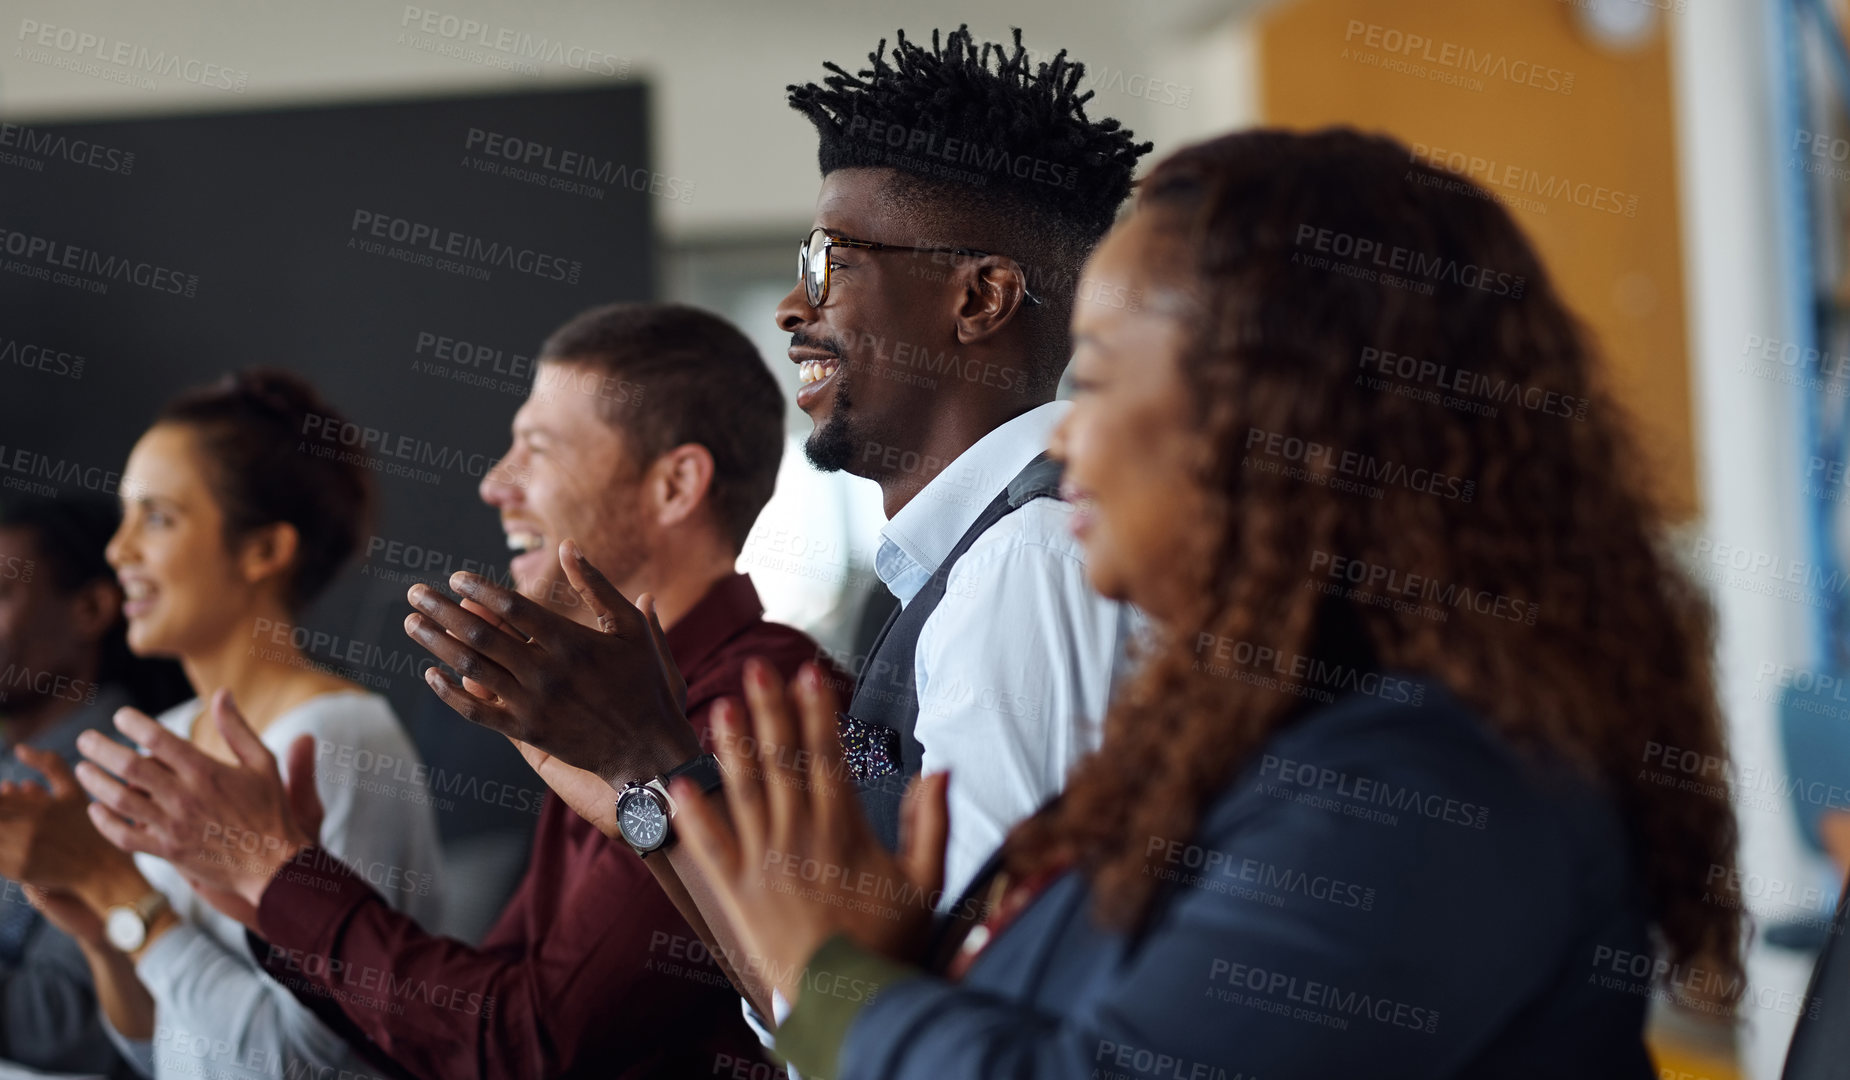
702,770
150,906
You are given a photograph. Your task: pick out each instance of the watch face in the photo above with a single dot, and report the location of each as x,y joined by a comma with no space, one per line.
124,929
642,819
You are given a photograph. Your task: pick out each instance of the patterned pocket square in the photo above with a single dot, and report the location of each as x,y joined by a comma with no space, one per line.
872,749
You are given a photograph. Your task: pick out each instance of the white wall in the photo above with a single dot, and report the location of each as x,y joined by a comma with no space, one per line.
718,68
1749,459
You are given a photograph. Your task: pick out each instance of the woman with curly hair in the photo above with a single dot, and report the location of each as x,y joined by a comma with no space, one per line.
1382,796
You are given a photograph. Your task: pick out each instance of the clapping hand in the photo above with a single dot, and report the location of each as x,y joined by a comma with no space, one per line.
46,838
227,827
798,862
600,699
584,791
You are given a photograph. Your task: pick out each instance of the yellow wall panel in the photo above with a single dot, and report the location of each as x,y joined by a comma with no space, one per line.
1578,139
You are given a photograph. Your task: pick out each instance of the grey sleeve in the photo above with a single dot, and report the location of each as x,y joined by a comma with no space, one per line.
48,1013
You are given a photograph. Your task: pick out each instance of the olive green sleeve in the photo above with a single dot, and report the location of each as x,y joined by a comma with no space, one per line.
840,980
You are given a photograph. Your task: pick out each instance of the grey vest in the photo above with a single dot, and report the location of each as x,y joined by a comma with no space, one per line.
882,752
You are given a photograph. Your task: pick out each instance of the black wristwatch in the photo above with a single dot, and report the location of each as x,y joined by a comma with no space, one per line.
644,810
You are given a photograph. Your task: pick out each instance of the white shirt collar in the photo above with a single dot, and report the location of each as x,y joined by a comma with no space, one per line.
917,539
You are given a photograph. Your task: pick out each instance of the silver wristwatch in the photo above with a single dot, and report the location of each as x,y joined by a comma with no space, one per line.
645,812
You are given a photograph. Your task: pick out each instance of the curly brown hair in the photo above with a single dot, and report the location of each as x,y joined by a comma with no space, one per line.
1315,255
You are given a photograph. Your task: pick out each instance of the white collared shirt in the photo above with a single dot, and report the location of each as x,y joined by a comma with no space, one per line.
1014,667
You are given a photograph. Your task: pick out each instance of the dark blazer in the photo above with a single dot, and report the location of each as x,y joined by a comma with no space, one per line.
1389,890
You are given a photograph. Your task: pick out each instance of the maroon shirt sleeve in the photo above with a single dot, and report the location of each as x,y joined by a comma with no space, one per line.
589,971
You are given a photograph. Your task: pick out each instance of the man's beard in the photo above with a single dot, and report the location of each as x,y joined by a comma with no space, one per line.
618,551
831,446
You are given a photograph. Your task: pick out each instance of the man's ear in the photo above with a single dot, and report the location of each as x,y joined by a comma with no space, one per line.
995,289
268,551
94,609
679,481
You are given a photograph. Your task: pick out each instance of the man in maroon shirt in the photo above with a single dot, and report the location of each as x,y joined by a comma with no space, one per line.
652,439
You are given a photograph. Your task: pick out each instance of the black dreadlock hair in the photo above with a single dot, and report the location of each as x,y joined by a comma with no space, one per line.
956,118
947,119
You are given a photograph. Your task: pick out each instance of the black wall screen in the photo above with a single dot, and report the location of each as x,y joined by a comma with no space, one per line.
407,256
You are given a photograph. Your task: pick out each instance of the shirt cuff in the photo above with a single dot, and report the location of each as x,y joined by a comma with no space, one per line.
767,1035
840,980
308,900
166,957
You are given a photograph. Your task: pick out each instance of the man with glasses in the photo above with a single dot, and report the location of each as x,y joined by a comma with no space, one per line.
930,324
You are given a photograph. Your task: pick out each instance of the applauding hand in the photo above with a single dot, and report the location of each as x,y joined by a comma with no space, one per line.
227,827
70,913
798,863
601,699
46,837
585,791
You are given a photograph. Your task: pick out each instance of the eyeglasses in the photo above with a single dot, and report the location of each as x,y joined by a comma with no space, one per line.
813,261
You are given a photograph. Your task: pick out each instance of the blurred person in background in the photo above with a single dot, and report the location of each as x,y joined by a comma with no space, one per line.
64,668
231,527
1326,835
650,440
1813,709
